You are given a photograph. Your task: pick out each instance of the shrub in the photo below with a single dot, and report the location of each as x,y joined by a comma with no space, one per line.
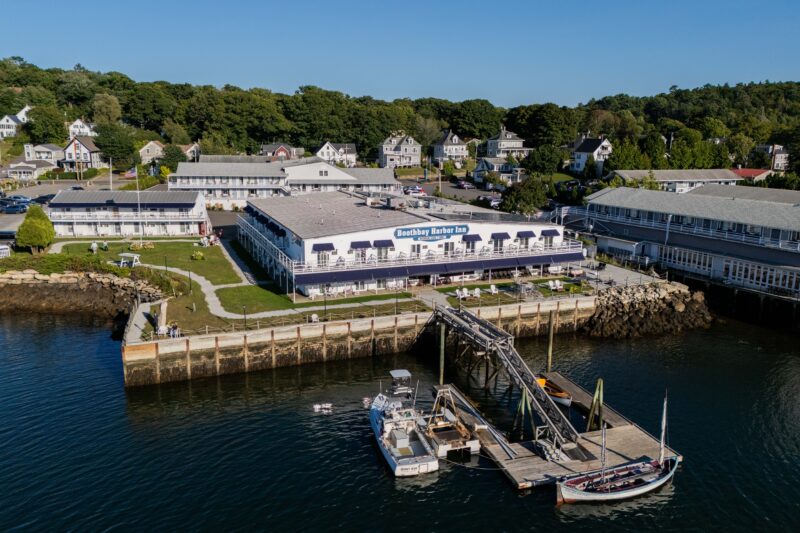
137,246
36,231
198,256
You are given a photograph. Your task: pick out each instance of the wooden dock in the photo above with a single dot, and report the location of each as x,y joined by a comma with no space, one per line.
625,442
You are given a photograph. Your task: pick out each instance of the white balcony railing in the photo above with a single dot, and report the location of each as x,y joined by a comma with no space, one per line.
486,253
126,217
674,227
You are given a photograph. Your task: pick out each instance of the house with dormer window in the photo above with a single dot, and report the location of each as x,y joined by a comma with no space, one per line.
399,150
450,147
506,143
79,128
9,124
81,153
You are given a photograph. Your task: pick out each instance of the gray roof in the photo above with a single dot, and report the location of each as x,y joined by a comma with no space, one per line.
781,196
89,198
740,210
372,175
216,158
48,146
502,135
400,139
588,146
14,118
330,213
447,139
350,148
705,174
274,146
37,163
272,169
86,141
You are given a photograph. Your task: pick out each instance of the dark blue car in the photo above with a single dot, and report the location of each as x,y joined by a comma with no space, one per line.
15,209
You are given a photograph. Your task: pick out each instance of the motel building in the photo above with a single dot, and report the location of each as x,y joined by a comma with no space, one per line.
346,243
126,213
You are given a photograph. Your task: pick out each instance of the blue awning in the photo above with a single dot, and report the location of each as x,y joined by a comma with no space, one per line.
500,236
322,247
550,233
360,245
471,238
388,243
355,274
525,234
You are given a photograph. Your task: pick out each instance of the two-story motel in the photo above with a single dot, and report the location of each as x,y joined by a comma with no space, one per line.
341,242
126,213
231,184
739,236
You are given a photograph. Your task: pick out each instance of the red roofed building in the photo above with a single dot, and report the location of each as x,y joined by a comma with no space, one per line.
752,174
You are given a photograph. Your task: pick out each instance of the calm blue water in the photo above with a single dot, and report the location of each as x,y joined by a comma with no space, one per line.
247,452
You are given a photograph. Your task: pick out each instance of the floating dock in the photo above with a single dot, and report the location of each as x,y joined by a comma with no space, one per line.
520,462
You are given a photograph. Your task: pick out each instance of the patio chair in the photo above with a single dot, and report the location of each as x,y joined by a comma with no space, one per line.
314,317
476,293
551,285
493,289
558,285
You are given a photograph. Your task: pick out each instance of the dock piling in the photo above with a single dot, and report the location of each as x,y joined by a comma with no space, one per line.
550,331
441,352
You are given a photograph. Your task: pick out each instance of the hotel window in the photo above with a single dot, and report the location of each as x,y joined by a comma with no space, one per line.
323,258
523,242
449,248
416,250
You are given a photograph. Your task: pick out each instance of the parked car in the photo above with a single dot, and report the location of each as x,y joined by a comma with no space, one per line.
494,203
465,185
15,209
20,199
415,192
76,188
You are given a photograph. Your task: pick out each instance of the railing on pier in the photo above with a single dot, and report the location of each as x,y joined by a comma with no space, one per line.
494,340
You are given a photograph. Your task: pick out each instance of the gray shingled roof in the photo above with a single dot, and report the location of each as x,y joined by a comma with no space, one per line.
739,210
330,213
588,146
48,146
704,174
147,198
781,196
273,169
372,175
502,136
447,139
86,141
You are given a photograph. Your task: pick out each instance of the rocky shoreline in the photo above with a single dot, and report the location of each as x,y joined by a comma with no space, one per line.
640,310
104,295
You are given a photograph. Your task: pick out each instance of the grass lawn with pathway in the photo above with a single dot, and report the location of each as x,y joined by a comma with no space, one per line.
215,267
260,298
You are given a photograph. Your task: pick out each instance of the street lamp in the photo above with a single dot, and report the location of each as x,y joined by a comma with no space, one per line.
325,301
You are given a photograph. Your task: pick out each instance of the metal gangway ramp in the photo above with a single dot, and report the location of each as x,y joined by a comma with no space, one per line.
495,341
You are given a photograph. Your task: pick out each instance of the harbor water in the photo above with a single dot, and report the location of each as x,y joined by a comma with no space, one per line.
248,451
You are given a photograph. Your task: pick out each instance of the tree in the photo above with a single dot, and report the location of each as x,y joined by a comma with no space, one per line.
740,146
590,168
475,118
626,156
175,132
525,197
760,159
172,156
545,159
46,125
448,168
681,155
714,128
36,231
106,109
148,106
116,142
427,131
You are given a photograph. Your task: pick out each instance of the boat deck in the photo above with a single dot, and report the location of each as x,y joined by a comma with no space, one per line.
625,442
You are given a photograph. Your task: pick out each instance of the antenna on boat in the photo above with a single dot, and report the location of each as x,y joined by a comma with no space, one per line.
603,455
663,430
414,403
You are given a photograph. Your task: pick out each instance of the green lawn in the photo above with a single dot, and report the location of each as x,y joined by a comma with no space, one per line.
259,298
215,267
560,176
454,286
411,171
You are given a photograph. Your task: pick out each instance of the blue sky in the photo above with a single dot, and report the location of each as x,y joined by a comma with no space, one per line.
510,52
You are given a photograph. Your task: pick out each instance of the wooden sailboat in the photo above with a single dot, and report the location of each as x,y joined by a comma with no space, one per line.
621,482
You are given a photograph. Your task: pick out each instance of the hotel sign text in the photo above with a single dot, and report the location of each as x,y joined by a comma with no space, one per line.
431,233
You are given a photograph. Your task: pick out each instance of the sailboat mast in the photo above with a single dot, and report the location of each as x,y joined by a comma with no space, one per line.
603,454
663,431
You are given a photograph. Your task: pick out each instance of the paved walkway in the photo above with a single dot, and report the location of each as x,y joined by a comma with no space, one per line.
432,297
139,321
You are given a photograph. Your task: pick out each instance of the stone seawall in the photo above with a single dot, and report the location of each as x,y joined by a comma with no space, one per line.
104,295
166,360
641,310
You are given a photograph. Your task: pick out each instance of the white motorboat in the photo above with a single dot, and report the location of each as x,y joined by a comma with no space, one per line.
404,447
622,482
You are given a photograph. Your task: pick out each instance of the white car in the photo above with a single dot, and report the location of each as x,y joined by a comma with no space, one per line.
414,192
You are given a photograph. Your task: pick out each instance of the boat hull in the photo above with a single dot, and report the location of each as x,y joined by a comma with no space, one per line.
567,494
404,467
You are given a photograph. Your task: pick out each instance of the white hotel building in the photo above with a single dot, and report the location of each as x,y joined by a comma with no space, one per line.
126,213
232,184
341,243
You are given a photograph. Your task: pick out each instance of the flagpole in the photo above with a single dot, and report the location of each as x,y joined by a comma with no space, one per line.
110,173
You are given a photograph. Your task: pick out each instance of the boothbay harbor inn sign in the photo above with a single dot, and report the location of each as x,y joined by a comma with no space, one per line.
431,233
347,243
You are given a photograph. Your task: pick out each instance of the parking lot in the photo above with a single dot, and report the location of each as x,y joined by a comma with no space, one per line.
451,190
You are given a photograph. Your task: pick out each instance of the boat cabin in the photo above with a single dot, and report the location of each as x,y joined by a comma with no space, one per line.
401,382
